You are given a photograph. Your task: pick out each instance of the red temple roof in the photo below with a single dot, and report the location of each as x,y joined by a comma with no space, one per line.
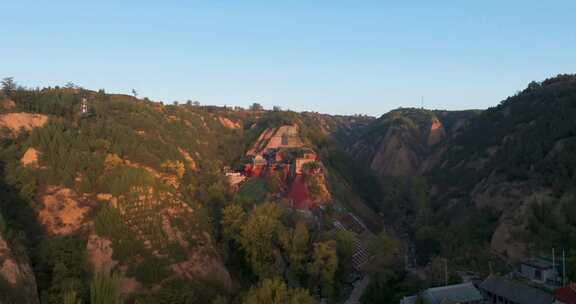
299,193
566,294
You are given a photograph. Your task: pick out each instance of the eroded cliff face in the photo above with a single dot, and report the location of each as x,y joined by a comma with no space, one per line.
17,281
511,200
404,142
397,156
436,132
15,122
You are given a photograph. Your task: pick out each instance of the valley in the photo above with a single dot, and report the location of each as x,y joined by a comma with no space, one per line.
188,203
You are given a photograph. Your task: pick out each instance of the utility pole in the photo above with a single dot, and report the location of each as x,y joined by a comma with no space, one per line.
554,272
563,268
445,272
406,261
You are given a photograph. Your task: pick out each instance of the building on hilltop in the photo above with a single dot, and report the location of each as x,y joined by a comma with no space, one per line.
309,154
540,270
259,160
235,178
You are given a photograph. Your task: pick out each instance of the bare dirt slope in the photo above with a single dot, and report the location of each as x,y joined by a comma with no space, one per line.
27,121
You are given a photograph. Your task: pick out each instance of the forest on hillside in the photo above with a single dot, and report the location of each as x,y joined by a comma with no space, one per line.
140,185
128,202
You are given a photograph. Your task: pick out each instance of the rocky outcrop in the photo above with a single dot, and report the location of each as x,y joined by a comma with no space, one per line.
403,142
436,132
228,123
22,121
7,104
396,157
191,163
30,158
511,200
63,212
17,281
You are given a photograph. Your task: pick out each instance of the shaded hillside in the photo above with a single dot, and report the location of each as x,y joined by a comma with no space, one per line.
406,142
17,279
473,185
513,158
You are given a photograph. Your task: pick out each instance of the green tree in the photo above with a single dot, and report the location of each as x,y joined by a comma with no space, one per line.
258,236
382,249
104,289
233,217
323,266
439,273
275,291
384,276
70,297
295,242
8,85
3,225
220,300
275,183
419,196
60,261
345,247
256,107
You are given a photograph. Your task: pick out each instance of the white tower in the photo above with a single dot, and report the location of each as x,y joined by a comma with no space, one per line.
84,106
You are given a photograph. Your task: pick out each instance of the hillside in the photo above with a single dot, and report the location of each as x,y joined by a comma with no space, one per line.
120,184
184,203
515,160
406,142
500,180
109,184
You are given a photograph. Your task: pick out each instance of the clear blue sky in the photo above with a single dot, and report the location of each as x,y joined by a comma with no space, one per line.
327,56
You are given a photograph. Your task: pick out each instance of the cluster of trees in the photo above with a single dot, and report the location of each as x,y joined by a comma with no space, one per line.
276,255
104,289
112,151
279,246
529,139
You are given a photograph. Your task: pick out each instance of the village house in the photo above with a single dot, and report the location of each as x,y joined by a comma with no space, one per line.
235,178
308,154
465,293
300,162
256,166
499,290
540,270
259,160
